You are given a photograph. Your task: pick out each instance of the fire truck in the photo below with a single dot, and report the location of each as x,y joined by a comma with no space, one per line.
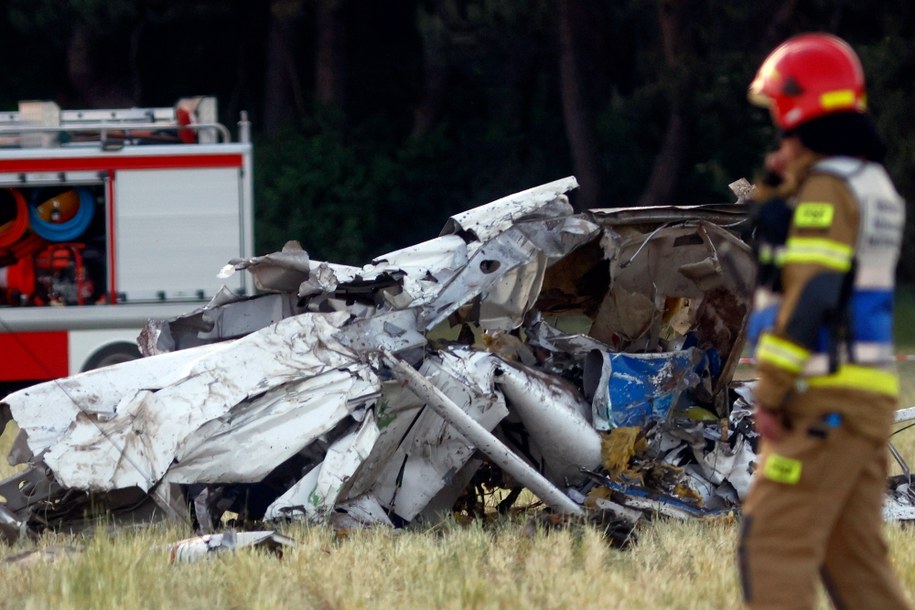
109,218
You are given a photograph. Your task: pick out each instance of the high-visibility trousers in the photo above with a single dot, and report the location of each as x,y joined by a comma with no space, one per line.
815,512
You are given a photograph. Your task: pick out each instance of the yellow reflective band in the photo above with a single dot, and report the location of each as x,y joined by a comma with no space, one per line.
782,470
827,252
841,98
856,377
781,353
813,215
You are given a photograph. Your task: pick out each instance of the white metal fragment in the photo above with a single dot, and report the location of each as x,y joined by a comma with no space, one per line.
281,271
93,396
273,427
486,221
210,545
138,444
899,503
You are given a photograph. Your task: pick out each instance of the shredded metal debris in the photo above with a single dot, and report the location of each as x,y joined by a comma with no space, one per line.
588,358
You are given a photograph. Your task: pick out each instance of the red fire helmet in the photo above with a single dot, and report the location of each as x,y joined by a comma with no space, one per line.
809,76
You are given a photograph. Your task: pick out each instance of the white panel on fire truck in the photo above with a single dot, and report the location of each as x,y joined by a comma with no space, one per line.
174,230
83,344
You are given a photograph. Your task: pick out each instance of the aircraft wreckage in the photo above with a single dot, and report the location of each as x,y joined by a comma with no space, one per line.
588,358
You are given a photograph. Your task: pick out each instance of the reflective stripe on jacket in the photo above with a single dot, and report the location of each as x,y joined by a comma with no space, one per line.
848,218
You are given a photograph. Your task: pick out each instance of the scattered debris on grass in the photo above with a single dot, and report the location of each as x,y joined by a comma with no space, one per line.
208,546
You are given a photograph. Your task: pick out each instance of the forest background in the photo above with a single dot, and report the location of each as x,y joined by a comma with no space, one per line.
375,120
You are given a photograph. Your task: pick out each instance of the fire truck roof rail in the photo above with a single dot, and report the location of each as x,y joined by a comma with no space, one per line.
42,124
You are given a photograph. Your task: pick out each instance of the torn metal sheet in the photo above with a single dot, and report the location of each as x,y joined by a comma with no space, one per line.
275,426
342,459
899,502
359,512
434,450
91,396
486,271
281,271
300,500
209,324
730,216
556,237
407,453
543,335
485,222
140,441
586,357
394,331
425,267
504,304
677,286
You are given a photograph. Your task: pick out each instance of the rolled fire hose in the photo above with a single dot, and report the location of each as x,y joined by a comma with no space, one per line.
63,217
13,230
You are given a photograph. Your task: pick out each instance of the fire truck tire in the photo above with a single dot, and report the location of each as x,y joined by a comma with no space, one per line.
112,354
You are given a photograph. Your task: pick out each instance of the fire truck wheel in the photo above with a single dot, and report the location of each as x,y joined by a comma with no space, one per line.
112,354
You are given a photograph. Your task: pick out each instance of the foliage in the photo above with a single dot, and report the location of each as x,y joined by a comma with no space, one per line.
317,190
365,177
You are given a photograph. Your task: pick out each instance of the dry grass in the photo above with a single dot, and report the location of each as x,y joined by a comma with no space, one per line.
675,565
688,565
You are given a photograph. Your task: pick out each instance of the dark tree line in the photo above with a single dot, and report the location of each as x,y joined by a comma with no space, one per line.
376,120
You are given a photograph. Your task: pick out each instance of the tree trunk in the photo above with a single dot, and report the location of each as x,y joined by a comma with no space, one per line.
781,19
436,69
330,55
578,112
283,97
668,163
93,88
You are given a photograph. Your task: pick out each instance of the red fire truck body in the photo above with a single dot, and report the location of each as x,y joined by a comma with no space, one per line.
109,218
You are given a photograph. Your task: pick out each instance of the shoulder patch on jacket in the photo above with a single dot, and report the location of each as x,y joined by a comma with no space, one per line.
814,214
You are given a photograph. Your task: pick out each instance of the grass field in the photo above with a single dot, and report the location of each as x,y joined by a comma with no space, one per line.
507,564
685,565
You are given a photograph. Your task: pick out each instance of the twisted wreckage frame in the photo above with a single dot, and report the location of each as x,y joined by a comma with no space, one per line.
388,394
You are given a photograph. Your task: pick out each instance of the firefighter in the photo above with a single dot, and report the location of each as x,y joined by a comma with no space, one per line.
828,240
